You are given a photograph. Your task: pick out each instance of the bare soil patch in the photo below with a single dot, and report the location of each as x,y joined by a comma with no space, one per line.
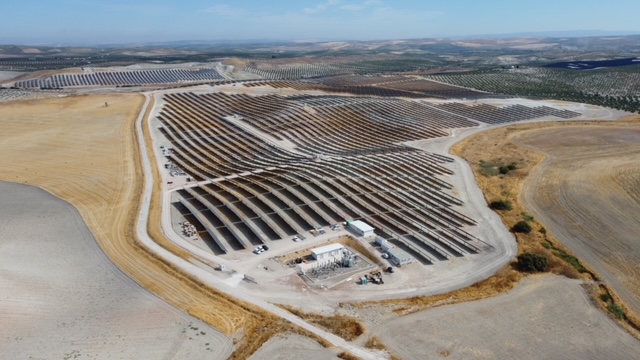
61,296
290,346
543,317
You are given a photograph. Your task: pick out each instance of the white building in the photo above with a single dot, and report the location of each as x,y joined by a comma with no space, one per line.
327,251
361,228
383,243
399,257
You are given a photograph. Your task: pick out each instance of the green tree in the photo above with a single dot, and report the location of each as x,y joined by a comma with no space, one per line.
522,227
501,205
529,262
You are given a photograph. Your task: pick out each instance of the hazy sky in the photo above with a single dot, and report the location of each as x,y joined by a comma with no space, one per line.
100,21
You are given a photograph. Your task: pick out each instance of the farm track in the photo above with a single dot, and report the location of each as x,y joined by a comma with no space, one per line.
586,193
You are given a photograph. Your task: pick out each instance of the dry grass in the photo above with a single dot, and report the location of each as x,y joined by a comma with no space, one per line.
375,343
497,146
348,356
503,281
87,154
346,327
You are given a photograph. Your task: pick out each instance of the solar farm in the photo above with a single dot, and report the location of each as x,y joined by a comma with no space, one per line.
122,78
263,167
386,86
331,197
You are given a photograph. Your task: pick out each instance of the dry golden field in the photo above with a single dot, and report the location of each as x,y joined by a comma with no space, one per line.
587,192
86,153
577,183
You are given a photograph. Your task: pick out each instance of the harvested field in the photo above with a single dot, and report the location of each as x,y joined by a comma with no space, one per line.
490,150
62,297
85,153
543,317
586,193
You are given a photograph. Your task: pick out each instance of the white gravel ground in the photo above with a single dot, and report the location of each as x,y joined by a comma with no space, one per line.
61,297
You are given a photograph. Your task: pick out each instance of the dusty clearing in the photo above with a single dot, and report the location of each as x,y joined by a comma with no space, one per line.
543,317
292,347
61,297
587,192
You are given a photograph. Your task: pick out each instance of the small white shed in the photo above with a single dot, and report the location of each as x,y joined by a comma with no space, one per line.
361,228
399,257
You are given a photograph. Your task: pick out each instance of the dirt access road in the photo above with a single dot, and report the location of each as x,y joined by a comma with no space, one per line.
587,193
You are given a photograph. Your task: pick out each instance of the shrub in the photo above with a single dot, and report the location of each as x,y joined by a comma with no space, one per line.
487,168
529,262
605,297
501,205
617,311
503,170
522,227
527,217
512,167
571,260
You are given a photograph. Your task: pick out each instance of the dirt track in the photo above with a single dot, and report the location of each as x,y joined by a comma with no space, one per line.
587,192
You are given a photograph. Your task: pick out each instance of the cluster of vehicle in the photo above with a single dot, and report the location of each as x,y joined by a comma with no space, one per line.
298,238
260,249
